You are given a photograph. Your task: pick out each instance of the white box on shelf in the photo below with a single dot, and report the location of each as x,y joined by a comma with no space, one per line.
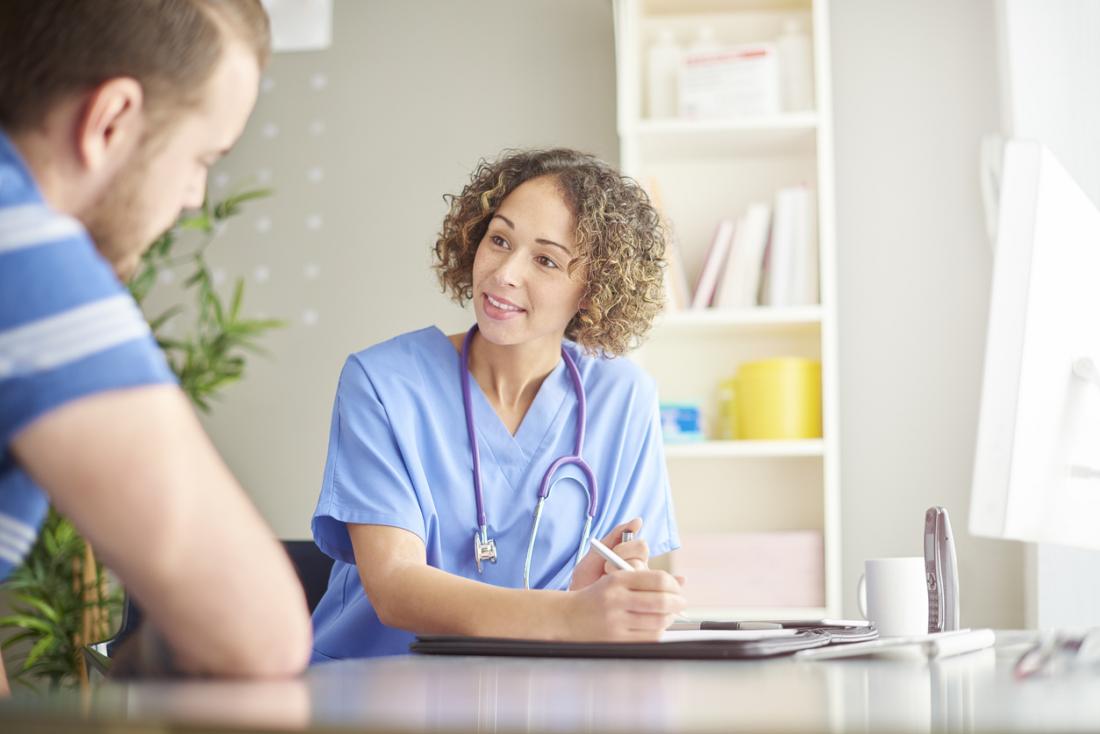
735,81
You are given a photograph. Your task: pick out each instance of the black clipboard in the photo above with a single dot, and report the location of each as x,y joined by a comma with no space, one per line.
766,647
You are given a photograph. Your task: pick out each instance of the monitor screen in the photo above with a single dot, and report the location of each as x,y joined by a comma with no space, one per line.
1037,463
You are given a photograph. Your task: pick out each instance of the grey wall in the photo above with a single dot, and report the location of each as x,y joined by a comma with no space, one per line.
360,142
915,89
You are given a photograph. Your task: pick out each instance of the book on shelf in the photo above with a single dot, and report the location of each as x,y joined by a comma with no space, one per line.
740,280
806,279
791,262
713,264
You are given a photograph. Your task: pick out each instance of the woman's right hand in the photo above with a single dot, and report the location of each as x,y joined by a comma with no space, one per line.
625,607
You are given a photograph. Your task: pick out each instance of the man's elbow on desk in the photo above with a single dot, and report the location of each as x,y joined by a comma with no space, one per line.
280,651
287,656
283,643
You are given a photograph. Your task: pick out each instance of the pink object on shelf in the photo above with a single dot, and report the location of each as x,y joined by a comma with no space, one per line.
769,569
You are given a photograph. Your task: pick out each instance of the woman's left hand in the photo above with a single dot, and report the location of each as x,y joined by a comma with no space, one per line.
593,567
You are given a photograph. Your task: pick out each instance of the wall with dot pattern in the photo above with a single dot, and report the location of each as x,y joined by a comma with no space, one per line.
360,142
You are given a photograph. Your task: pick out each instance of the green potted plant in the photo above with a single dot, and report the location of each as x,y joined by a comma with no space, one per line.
61,597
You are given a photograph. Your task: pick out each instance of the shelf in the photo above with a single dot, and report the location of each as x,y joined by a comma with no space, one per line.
762,125
658,8
761,318
745,449
757,136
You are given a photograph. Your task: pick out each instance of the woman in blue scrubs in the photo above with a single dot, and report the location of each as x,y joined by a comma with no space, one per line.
562,259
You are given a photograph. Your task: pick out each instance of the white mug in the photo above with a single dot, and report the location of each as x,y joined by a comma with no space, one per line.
893,595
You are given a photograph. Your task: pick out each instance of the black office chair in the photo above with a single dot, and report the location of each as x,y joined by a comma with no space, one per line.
313,568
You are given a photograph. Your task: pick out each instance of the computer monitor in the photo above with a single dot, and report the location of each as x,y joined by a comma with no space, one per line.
1037,463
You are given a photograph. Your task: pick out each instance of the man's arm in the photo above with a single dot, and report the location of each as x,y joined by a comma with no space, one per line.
135,473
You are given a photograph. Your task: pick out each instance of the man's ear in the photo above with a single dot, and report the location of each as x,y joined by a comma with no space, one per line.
110,125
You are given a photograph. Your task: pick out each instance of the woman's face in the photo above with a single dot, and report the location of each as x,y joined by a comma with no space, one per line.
522,289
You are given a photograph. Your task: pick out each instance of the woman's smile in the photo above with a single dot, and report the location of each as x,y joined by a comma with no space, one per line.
501,308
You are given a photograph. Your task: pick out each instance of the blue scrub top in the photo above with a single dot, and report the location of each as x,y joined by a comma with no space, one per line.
398,455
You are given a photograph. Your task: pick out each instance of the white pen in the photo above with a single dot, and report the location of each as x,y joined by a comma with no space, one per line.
611,555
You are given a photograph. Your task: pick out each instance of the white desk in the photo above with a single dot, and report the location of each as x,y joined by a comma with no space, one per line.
974,692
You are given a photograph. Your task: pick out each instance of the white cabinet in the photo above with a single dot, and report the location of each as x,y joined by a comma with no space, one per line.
739,496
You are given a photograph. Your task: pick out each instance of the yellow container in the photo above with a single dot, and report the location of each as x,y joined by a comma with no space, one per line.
772,399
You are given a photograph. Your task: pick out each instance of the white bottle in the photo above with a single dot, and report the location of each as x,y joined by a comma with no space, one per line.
662,71
704,42
796,67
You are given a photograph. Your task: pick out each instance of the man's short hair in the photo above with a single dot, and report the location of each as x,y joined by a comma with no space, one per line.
52,48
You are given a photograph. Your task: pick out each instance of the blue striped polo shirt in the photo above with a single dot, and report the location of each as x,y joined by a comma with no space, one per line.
68,329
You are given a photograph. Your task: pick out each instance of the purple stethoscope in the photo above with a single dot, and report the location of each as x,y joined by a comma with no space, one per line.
485,548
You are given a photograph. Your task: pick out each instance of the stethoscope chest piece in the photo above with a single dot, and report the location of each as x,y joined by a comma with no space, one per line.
484,550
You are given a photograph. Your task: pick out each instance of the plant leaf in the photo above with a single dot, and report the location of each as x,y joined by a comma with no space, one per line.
17,638
44,608
38,651
238,296
26,621
159,321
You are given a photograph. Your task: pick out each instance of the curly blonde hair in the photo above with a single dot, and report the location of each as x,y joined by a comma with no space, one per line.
619,237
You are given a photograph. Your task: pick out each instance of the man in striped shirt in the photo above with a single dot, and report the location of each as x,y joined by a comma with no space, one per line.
111,114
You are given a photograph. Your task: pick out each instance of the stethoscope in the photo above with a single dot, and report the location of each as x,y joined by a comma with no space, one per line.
485,548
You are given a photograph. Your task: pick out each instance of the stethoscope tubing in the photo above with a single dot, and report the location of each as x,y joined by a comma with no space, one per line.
547,480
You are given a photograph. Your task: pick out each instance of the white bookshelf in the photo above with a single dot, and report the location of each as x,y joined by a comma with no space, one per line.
706,170
747,319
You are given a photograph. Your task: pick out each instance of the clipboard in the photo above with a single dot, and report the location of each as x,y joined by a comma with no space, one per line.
839,631
716,648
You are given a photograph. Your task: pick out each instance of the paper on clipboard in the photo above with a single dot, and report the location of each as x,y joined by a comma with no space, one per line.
919,647
724,635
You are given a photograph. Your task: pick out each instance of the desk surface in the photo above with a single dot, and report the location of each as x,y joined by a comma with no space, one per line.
974,692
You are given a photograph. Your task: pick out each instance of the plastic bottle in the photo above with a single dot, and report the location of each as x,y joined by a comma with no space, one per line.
796,67
662,72
704,42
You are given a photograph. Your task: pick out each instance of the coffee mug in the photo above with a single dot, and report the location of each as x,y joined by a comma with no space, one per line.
893,595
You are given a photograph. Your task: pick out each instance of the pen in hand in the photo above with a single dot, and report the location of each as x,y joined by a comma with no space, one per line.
610,555
617,561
